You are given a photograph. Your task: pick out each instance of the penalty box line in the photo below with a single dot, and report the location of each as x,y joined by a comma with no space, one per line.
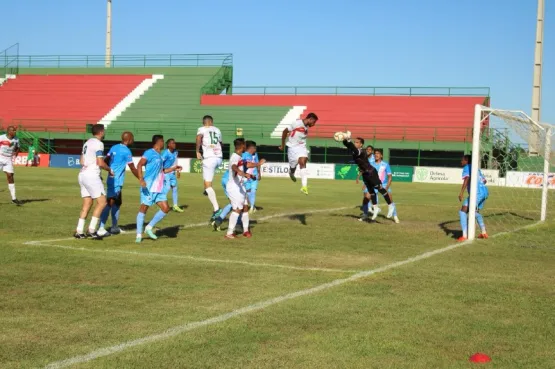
177,330
48,243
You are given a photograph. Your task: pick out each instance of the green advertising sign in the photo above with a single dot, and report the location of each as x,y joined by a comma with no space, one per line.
350,171
196,166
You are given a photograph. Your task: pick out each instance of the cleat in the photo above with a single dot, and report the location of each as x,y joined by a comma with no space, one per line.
16,202
103,233
304,190
363,218
292,176
252,210
215,215
375,212
462,239
93,235
139,239
247,234
115,231
79,236
230,236
205,193
151,234
177,209
483,236
396,219
217,224
390,211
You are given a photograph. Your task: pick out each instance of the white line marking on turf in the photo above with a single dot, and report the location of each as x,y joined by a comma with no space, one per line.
174,331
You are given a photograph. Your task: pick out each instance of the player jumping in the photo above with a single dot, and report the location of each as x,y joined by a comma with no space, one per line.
368,172
9,148
236,190
169,156
210,139
365,193
92,188
152,187
119,157
251,185
297,152
481,197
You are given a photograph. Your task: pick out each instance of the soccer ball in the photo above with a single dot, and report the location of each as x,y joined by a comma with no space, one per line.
339,136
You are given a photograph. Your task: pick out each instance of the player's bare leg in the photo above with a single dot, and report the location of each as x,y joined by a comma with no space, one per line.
97,212
304,175
209,191
164,209
80,230
11,187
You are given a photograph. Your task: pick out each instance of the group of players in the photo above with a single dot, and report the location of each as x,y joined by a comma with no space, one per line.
158,170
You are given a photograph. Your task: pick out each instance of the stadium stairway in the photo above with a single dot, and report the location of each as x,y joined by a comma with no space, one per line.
69,100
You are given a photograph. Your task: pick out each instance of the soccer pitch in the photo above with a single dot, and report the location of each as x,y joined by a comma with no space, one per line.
313,288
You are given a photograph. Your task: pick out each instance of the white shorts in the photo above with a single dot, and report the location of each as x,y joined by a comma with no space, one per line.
209,166
91,185
6,164
294,153
237,197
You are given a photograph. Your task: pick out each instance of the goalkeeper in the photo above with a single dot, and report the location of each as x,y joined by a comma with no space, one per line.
368,172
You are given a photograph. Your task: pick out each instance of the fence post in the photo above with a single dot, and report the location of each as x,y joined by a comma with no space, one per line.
418,159
326,153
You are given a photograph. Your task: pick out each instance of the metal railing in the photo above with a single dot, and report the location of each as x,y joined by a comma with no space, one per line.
360,90
98,61
8,60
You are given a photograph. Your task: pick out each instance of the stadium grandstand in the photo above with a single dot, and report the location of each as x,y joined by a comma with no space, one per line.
55,98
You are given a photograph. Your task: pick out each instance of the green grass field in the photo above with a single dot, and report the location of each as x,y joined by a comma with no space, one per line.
293,296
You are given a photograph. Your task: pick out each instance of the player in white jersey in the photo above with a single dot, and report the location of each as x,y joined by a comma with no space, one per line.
297,151
209,138
9,148
92,188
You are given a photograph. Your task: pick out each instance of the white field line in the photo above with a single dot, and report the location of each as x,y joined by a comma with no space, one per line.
174,331
48,243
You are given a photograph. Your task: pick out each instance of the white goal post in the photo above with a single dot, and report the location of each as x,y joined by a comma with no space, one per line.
525,142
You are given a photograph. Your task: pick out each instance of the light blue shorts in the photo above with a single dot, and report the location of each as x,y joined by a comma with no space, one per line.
151,198
480,201
251,185
170,180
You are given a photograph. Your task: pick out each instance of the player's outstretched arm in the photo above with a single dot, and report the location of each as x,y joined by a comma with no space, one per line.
239,172
350,146
284,135
256,165
172,169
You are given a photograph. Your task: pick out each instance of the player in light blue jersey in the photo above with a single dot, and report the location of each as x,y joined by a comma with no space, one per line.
481,197
169,157
118,158
251,185
365,194
153,190
386,176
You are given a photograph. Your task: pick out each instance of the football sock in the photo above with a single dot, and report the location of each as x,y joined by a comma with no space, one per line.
104,216
304,177
140,223
245,221
11,186
212,197
225,211
157,217
365,206
93,224
374,198
232,222
385,195
464,223
115,215
81,226
174,197
480,220
252,198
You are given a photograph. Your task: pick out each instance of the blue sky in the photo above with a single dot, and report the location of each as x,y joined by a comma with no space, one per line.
305,42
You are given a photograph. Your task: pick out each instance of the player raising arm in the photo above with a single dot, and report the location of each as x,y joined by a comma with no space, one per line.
92,188
368,172
481,197
297,152
209,138
119,157
9,148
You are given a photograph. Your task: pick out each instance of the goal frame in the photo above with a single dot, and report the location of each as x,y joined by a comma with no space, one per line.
482,113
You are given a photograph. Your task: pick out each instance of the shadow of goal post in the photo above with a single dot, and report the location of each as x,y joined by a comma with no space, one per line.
529,141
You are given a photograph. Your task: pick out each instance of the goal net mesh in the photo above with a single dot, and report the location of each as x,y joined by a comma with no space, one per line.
512,156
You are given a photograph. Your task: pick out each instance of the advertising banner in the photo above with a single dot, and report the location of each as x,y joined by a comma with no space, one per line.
65,161
321,171
402,173
437,175
346,171
40,160
196,166
529,180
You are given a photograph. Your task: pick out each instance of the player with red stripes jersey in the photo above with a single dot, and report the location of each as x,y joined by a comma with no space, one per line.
9,148
297,151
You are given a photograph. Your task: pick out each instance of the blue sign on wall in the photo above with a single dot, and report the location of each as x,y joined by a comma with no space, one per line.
65,161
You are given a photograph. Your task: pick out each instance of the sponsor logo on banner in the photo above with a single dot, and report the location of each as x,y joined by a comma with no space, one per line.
529,180
437,175
196,166
322,171
401,173
40,160
346,171
65,161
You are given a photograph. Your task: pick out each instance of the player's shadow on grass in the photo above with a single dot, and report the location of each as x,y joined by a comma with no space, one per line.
170,232
300,217
27,201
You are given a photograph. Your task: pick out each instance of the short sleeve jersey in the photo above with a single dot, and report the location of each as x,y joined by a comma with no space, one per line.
298,133
384,170
8,145
120,156
92,149
250,158
235,181
482,189
154,171
211,141
169,158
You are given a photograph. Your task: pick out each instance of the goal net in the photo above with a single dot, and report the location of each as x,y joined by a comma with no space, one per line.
515,155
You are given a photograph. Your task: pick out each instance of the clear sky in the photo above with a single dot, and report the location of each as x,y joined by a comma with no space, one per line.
308,42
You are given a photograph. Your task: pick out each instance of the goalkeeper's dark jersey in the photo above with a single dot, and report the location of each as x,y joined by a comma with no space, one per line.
360,157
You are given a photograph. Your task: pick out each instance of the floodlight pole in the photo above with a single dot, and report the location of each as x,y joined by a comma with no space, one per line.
108,33
537,79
